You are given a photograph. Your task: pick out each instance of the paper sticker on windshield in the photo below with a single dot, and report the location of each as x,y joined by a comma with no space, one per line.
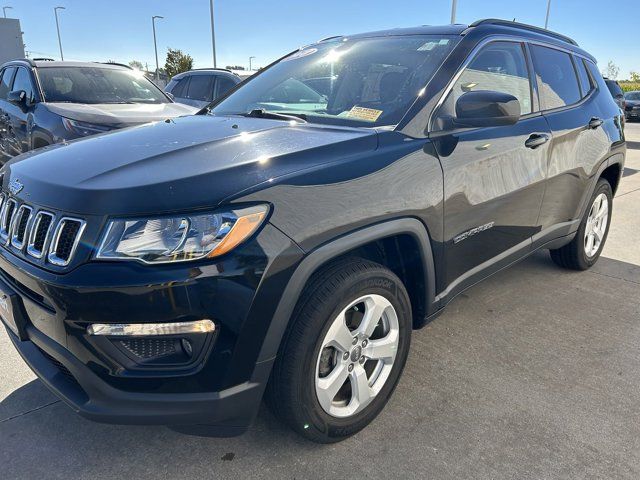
301,54
366,114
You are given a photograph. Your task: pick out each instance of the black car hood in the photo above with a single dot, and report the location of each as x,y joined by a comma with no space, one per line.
120,114
185,163
633,103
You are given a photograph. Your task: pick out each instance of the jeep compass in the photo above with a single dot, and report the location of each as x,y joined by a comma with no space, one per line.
284,243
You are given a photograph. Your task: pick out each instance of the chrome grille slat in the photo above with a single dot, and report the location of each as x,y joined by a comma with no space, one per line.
46,238
21,221
40,234
65,240
6,218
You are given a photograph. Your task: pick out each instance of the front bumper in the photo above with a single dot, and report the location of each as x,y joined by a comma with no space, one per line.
222,389
632,114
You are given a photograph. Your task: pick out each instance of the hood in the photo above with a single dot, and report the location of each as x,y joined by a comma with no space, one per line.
181,164
119,114
633,103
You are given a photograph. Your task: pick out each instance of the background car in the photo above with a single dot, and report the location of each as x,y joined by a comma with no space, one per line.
632,109
199,88
616,92
46,102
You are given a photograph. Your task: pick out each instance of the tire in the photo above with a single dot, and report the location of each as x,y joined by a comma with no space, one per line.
351,290
575,255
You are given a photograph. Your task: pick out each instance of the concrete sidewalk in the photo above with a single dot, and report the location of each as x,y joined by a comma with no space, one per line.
534,373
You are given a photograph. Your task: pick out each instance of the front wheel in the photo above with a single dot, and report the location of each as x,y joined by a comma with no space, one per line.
344,352
586,247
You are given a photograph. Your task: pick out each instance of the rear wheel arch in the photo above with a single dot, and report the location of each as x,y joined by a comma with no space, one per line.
394,242
612,174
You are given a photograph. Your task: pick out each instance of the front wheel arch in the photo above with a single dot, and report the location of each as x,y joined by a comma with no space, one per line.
336,249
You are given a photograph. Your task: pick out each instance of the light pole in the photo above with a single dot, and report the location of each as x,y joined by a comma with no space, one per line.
155,45
454,7
4,10
213,37
546,22
250,58
55,12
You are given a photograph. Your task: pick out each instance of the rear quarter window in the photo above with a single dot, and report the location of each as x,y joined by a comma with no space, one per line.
556,77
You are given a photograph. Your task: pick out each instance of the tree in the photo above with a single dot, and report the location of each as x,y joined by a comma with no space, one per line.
136,64
635,76
177,62
612,70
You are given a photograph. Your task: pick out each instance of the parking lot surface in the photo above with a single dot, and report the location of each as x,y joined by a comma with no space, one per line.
534,373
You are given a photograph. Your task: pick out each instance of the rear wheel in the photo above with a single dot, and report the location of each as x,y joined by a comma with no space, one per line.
586,247
344,352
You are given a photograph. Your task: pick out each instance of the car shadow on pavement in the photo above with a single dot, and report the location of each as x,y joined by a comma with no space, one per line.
490,378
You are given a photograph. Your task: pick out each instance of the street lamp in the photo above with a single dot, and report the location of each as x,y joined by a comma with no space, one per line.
55,12
213,37
454,7
546,22
155,44
4,10
250,58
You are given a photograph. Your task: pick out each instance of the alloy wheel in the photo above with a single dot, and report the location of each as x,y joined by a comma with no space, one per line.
596,225
357,355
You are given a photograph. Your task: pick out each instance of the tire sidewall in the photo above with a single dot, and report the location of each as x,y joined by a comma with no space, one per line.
380,282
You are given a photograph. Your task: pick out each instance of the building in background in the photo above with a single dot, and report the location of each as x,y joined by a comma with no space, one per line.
11,44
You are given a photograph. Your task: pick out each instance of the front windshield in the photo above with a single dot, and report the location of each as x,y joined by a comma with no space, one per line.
633,96
360,82
97,85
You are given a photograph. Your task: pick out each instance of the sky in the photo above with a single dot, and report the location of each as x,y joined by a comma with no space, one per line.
120,30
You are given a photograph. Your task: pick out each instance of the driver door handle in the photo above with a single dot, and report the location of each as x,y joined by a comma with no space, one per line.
536,140
595,123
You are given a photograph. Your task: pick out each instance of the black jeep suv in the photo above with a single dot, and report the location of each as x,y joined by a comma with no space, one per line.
174,273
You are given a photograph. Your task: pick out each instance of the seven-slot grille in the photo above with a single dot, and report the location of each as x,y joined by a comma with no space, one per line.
39,231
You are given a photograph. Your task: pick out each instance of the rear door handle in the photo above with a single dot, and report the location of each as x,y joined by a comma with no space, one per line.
595,122
536,139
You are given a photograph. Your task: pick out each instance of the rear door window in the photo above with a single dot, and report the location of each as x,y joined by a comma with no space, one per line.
556,76
201,88
5,82
586,85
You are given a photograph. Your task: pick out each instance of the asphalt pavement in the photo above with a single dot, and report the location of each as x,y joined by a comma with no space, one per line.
534,373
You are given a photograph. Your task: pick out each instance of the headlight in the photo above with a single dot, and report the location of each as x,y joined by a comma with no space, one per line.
83,129
179,238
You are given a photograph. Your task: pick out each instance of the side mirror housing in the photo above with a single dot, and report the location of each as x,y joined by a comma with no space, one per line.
170,95
17,97
484,108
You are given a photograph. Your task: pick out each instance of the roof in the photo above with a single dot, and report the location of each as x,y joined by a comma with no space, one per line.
481,27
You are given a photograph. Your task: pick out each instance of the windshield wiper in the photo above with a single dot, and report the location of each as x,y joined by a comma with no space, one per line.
261,113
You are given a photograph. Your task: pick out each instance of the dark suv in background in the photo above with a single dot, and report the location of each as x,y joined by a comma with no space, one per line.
632,108
616,92
199,88
46,102
291,248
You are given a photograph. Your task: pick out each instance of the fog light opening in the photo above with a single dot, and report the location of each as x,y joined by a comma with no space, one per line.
151,329
186,346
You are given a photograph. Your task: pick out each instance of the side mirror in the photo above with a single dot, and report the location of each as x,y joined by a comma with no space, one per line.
170,95
484,108
17,97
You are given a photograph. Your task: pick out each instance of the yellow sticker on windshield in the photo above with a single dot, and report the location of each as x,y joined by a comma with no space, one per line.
366,114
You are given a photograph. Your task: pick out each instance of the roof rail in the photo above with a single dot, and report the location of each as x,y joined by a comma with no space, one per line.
329,38
524,26
211,68
129,67
42,59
